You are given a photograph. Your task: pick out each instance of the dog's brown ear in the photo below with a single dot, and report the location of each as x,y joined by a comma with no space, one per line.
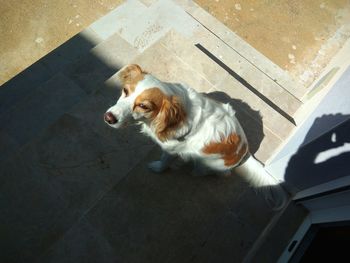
171,116
130,71
130,75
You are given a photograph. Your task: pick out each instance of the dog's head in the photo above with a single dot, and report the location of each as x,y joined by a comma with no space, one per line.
146,99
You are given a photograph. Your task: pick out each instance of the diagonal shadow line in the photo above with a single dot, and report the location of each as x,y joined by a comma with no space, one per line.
245,83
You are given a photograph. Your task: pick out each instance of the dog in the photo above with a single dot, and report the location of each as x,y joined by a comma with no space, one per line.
189,125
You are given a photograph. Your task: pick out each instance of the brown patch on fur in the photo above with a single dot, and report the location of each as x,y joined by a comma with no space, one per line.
166,113
227,148
130,75
171,116
153,99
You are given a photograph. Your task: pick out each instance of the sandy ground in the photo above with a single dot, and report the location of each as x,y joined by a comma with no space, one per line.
299,36
30,29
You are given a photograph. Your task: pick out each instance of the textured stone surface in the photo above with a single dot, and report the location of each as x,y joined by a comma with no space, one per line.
81,244
279,125
306,36
54,180
280,235
31,31
169,217
23,85
168,67
115,51
8,145
80,191
41,108
223,81
90,73
248,71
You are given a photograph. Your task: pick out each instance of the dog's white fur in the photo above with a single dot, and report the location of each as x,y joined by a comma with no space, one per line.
205,122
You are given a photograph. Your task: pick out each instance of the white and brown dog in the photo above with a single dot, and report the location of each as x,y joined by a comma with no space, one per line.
189,125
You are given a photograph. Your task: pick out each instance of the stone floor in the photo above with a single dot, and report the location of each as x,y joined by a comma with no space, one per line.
74,190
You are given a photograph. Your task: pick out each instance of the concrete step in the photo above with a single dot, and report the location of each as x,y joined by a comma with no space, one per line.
178,60
221,79
243,49
247,73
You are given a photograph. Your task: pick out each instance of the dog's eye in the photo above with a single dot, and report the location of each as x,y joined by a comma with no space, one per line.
143,106
125,92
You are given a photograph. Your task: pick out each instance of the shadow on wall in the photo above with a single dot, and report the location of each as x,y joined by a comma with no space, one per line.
250,119
322,159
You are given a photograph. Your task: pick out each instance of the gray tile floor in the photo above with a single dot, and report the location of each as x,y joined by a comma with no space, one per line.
74,190
172,217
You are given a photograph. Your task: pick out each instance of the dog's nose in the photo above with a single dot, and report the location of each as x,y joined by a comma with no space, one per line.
110,118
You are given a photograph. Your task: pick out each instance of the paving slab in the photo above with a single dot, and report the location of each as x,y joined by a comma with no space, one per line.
223,81
262,142
276,123
225,55
157,26
184,48
154,20
41,108
115,51
89,73
90,112
18,88
168,67
104,60
307,35
194,68
238,229
81,191
56,179
244,49
8,145
168,217
32,212
115,20
279,236
70,51
81,244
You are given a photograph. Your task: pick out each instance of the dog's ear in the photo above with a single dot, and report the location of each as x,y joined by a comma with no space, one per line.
130,71
130,75
170,117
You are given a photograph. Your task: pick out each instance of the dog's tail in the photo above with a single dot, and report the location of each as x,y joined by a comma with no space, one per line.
254,172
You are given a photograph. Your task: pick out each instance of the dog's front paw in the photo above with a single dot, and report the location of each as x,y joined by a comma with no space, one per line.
157,166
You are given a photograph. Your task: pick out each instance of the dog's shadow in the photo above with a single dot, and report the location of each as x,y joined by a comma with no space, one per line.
250,119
